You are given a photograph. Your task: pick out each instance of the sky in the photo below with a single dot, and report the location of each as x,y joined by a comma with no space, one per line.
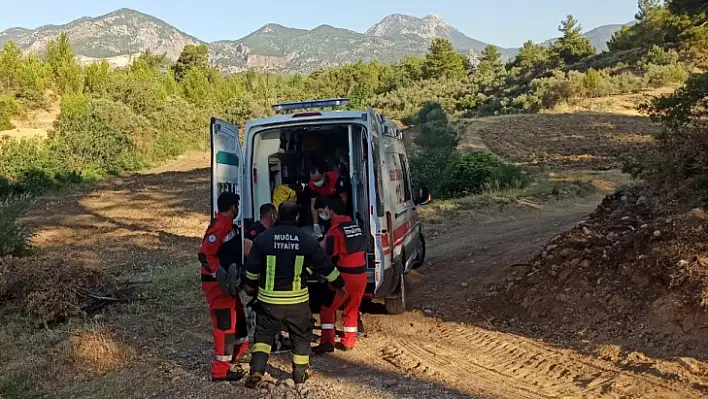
505,23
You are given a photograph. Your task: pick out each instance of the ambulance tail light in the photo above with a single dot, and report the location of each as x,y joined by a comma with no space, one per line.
389,229
255,175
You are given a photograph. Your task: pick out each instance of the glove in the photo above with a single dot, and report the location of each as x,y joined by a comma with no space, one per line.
317,230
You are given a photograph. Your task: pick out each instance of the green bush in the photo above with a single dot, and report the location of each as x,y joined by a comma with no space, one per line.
437,134
665,75
8,109
13,235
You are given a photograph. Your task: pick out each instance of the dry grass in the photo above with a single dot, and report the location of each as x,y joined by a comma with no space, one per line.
548,188
97,352
33,124
625,104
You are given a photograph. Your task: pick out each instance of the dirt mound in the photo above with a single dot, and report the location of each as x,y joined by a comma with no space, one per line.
635,269
53,289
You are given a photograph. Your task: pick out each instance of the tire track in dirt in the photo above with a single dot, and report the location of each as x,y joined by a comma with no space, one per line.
481,362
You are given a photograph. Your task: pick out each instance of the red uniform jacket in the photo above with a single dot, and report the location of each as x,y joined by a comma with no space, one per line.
221,247
346,243
329,188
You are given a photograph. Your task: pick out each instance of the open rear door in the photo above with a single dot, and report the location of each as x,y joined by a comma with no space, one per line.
372,138
226,164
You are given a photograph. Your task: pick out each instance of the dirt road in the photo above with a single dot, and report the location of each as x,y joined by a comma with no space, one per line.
148,226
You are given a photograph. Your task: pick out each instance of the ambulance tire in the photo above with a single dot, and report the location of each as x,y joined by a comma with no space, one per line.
397,304
420,256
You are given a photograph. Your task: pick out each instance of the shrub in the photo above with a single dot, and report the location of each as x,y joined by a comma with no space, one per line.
665,75
8,109
13,235
437,134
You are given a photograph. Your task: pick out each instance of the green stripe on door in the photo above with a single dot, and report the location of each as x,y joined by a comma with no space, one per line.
227,158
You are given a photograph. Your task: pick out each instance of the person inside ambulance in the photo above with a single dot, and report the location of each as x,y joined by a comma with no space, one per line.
327,184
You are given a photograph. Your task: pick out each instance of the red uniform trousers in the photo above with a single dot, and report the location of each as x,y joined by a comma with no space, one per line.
229,325
356,287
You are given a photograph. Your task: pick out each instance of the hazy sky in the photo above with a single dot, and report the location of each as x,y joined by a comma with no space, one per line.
506,23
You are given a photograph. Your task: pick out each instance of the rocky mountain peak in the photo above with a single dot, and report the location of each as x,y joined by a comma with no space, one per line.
120,35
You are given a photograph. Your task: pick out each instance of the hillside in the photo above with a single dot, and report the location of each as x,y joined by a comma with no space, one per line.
122,34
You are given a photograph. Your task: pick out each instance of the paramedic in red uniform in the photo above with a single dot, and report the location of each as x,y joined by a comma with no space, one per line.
222,247
346,244
328,184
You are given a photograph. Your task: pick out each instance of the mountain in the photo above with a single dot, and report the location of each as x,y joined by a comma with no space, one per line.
120,35
402,27
598,36
117,34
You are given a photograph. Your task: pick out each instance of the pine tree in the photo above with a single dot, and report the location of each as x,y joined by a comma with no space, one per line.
191,57
573,46
442,61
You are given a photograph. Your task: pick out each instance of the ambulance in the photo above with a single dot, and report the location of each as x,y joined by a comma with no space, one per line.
280,150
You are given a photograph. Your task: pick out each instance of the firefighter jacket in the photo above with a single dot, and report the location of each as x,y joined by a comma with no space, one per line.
221,246
278,261
346,244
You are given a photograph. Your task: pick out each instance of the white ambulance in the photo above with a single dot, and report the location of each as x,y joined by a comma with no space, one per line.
280,150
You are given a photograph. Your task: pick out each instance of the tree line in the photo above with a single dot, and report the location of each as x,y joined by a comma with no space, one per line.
121,119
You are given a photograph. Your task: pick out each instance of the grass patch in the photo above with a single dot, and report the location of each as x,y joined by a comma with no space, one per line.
546,188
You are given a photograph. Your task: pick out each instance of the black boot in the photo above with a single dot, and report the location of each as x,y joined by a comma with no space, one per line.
253,380
231,376
323,348
301,374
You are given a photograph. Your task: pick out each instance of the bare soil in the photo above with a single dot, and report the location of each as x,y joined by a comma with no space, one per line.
585,140
147,228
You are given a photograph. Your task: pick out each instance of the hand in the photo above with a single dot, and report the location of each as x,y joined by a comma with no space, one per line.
342,292
317,229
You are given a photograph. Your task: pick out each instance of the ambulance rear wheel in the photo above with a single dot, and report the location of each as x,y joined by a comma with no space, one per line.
397,304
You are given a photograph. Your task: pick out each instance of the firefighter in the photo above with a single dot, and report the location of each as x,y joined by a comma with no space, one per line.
221,251
267,220
275,273
346,244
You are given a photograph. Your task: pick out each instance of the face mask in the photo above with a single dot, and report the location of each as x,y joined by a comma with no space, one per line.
319,183
324,216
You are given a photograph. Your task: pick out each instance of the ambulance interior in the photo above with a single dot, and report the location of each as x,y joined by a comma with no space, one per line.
284,155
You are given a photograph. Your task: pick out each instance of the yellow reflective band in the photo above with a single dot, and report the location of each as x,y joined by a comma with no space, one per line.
297,283
333,276
262,348
285,294
301,359
270,273
308,271
283,301
252,276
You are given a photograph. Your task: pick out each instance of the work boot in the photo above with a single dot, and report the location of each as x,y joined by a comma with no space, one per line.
340,346
253,380
301,375
323,348
231,376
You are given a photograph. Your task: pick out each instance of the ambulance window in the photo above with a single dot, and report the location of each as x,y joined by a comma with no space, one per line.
408,193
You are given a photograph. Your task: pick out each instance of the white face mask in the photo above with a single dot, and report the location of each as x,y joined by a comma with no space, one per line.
324,216
320,183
